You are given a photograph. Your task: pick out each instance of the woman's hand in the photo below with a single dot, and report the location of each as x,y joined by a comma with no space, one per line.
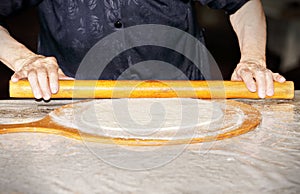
257,77
43,74
249,23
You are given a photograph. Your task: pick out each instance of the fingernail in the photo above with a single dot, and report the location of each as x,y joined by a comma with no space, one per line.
47,96
38,96
13,79
270,92
252,89
282,79
261,94
54,90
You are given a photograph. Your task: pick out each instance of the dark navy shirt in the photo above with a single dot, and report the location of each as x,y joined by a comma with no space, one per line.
69,28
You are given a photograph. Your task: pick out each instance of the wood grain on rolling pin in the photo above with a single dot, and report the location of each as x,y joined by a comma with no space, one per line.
151,89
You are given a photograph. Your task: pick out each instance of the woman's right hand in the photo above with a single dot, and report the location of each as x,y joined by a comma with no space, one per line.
43,74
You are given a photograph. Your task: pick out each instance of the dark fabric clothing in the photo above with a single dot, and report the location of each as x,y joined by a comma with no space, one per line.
69,28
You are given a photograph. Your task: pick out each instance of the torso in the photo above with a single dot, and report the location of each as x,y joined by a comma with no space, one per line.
71,27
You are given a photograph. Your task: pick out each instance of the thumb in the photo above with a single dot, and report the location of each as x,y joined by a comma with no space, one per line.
279,78
17,76
235,77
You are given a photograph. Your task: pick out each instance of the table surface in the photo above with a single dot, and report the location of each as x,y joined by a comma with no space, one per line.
264,160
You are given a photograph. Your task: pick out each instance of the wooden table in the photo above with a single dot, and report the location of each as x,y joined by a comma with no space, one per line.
264,160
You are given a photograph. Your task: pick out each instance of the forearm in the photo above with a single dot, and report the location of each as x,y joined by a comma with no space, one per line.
250,26
12,53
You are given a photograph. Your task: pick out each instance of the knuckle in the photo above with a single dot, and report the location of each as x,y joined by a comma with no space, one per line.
32,77
36,60
52,60
52,66
242,66
52,71
41,69
260,72
268,71
260,77
242,71
31,72
42,74
246,73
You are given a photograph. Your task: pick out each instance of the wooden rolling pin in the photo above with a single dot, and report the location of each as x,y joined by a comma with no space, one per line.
151,89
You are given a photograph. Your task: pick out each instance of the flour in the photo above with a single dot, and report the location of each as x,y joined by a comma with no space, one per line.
20,115
265,160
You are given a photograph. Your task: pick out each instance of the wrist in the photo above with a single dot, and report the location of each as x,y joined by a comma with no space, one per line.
23,59
12,53
254,60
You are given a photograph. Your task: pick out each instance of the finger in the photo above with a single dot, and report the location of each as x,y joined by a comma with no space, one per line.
53,80
35,87
17,76
44,83
235,77
279,78
269,83
62,76
261,83
247,77
66,78
53,74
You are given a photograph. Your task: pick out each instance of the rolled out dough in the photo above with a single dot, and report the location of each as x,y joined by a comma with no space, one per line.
155,118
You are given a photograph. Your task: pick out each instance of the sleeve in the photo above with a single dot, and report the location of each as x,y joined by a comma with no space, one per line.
9,7
230,6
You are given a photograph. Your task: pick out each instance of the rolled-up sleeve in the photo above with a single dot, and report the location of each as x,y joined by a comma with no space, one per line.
9,7
230,6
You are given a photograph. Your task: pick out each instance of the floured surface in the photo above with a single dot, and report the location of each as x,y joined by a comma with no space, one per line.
24,114
265,160
19,111
165,119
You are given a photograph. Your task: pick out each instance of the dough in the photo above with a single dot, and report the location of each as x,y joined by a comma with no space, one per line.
151,118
